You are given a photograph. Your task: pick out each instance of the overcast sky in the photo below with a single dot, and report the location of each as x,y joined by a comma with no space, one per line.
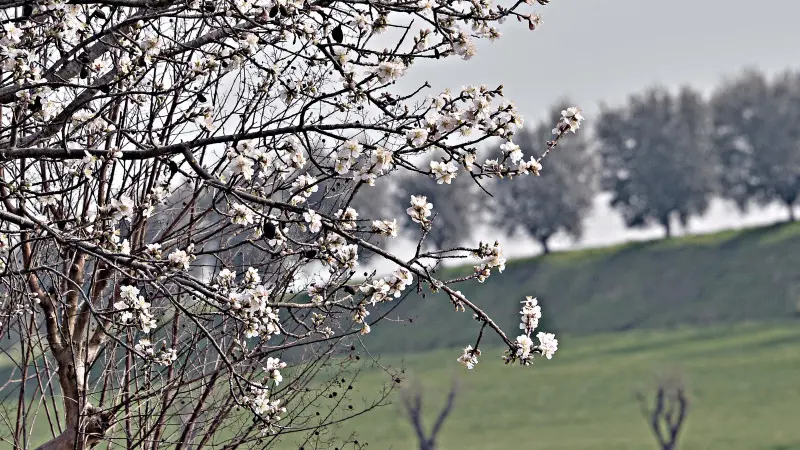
595,51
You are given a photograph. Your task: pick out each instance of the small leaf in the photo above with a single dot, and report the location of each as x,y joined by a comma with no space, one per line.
269,230
337,34
36,106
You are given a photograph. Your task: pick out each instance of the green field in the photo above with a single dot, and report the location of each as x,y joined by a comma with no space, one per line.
720,309
720,278
743,382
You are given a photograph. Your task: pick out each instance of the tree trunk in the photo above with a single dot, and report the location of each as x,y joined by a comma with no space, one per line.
94,425
665,222
790,207
545,245
85,425
64,441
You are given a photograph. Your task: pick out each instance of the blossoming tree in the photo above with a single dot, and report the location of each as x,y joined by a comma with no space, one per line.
175,222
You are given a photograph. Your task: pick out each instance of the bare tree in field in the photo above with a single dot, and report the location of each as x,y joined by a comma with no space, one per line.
178,244
558,201
411,400
667,414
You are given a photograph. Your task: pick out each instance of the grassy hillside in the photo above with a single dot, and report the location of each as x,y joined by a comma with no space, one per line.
742,384
725,277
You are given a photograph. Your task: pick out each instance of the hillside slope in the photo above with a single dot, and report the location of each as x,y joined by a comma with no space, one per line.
725,277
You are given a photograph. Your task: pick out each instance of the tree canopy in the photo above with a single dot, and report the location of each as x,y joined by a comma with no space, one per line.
656,158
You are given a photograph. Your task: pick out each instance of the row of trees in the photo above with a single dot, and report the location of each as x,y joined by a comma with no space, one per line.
662,155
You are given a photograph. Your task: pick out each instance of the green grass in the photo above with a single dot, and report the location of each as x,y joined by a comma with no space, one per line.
720,278
742,381
628,313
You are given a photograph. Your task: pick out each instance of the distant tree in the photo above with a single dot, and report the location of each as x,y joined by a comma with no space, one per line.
756,140
558,201
667,415
657,159
456,213
411,401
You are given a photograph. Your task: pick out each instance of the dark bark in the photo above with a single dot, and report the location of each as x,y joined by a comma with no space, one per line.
665,222
545,244
92,426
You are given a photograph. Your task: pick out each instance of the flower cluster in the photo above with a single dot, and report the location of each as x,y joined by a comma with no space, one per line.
3,250
444,172
347,218
420,209
525,349
122,208
470,357
360,316
268,409
388,287
531,313
386,228
247,157
250,303
180,259
492,256
347,156
163,357
336,253
132,306
313,220
571,119
241,214
273,369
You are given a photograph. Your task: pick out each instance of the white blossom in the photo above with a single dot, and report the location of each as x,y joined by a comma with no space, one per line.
314,220
385,227
273,367
122,207
180,259
242,215
417,137
469,358
512,151
389,71
531,313
243,165
420,209
548,344
445,172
